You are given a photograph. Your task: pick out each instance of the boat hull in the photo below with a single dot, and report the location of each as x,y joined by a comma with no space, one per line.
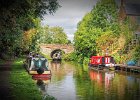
44,73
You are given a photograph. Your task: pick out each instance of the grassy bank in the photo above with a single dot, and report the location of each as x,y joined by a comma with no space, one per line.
23,87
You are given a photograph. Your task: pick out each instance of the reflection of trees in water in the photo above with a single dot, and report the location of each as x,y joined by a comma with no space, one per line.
107,86
82,83
43,86
57,70
109,76
120,85
123,85
60,70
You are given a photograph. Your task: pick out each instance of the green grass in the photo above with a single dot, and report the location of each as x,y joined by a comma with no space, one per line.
22,85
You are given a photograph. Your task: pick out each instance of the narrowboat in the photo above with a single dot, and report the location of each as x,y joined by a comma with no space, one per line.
37,66
102,62
56,57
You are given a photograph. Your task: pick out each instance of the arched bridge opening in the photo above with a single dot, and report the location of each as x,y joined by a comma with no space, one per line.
57,54
54,50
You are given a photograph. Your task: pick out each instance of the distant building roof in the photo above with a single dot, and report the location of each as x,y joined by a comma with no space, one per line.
132,7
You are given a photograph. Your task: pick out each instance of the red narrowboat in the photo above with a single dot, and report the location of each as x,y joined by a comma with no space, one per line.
102,62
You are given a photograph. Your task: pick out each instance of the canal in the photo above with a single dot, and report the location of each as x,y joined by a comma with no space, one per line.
76,82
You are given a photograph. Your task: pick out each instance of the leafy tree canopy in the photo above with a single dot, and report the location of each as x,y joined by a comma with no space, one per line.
52,35
95,27
18,16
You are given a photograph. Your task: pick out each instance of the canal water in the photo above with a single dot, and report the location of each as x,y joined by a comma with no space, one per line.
76,82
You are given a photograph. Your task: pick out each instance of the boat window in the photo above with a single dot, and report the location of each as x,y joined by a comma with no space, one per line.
36,58
42,58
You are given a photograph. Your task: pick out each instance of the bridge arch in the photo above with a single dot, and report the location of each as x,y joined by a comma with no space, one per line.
50,49
56,51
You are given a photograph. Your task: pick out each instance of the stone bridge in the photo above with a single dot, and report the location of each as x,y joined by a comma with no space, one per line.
50,49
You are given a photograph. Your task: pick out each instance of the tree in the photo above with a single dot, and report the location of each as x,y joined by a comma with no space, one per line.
58,35
50,35
95,25
19,16
45,35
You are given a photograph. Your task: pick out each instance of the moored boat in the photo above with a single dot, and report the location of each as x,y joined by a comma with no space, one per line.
102,62
37,65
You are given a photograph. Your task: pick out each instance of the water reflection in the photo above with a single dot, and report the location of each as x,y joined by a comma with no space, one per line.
42,88
115,86
55,65
42,84
75,82
108,78
62,85
96,76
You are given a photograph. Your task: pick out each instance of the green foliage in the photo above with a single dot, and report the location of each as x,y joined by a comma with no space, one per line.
117,58
21,80
127,30
85,41
96,27
70,57
50,35
86,61
58,35
45,35
104,16
136,53
106,39
18,17
101,29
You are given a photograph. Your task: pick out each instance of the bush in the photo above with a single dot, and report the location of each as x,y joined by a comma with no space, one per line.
136,54
70,57
86,61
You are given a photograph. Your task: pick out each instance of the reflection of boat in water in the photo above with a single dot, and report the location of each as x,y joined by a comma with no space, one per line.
43,85
108,77
37,66
100,76
45,80
95,75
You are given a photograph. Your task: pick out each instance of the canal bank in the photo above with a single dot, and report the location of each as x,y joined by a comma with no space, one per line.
21,83
16,83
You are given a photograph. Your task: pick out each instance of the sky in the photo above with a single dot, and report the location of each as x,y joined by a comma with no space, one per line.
70,13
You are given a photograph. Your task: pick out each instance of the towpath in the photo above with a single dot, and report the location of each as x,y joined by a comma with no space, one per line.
5,90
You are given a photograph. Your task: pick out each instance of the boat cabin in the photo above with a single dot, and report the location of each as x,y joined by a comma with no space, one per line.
37,65
104,61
